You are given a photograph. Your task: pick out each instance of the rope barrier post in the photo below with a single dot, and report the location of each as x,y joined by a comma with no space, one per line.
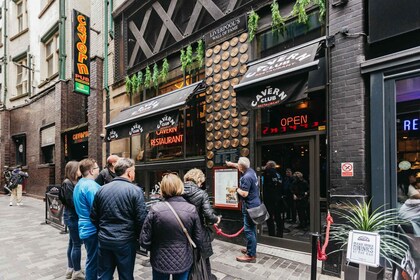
314,242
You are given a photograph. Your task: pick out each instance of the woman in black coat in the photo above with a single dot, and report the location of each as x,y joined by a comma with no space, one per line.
193,180
170,250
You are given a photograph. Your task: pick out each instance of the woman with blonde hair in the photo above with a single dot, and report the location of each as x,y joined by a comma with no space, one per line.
194,194
72,174
170,250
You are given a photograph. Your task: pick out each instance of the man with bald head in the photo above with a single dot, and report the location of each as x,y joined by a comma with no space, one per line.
108,173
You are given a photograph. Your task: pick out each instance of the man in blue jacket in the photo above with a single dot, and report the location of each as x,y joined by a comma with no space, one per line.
249,194
118,212
83,195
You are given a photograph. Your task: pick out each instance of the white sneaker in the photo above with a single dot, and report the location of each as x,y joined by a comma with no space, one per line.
11,204
69,272
78,275
19,204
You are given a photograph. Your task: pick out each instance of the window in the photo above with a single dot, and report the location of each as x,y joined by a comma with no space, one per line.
47,144
51,56
20,149
48,154
19,14
21,78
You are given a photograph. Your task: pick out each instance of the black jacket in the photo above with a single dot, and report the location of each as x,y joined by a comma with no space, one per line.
200,199
272,184
118,211
105,176
170,251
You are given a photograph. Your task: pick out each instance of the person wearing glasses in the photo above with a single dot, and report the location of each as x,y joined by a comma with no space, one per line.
83,195
118,212
194,194
162,235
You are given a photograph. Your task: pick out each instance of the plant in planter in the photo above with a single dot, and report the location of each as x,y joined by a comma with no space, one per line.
147,77
128,85
253,19
277,23
139,81
163,75
155,76
360,217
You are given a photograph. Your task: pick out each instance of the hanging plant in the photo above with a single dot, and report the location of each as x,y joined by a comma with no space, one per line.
139,81
277,24
165,70
189,58
253,19
200,53
147,77
321,4
155,77
128,85
134,84
299,10
183,59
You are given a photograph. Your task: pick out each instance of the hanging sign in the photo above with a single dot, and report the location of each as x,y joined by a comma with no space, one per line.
81,53
363,247
347,169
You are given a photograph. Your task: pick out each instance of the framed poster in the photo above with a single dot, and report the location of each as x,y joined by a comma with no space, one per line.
226,180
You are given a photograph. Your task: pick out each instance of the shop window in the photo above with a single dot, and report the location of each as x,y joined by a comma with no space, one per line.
408,137
195,122
166,144
20,149
137,148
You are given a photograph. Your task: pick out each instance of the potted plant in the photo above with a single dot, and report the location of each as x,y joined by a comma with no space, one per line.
383,221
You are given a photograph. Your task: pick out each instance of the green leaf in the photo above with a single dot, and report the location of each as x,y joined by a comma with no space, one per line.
200,53
134,83
128,85
147,77
189,57
139,81
165,70
155,77
253,19
277,23
183,59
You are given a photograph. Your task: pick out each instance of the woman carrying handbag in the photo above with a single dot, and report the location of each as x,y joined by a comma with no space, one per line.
171,252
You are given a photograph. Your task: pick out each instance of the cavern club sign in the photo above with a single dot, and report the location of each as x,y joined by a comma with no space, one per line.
81,53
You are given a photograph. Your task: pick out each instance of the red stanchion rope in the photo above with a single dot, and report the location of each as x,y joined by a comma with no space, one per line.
220,232
321,254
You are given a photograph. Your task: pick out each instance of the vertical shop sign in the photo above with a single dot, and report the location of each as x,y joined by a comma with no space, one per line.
81,53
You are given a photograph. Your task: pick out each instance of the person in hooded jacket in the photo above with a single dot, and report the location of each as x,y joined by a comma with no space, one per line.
193,181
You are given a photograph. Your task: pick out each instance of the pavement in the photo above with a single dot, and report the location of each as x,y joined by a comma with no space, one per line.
31,249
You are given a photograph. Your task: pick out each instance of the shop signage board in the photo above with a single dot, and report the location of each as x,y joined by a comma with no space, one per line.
347,169
226,31
363,247
81,53
226,180
221,156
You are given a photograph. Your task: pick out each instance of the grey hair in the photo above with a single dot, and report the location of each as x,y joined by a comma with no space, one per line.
243,161
122,165
270,164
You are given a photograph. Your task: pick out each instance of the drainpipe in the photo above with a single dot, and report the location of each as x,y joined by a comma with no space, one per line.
4,52
106,86
111,20
62,52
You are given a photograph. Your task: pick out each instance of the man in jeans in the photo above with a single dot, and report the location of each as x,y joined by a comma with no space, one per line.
248,192
118,212
83,196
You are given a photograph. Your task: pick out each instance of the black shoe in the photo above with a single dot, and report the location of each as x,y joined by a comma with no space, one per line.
213,277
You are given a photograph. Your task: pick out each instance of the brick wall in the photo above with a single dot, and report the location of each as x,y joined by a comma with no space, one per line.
4,141
348,101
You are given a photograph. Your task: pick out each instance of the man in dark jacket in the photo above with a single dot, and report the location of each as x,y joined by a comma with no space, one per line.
15,185
272,193
118,212
108,173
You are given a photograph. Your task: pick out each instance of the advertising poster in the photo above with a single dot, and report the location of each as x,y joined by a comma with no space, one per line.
225,183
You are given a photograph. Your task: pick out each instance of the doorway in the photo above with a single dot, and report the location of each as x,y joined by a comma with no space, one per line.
296,208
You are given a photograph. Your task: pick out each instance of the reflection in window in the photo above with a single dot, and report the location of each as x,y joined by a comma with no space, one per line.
195,122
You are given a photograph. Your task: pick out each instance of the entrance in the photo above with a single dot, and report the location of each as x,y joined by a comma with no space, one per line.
297,204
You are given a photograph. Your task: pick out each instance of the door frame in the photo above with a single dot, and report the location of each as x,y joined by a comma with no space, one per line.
313,139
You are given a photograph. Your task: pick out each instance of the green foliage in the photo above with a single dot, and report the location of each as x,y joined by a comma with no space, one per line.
183,60
128,85
359,217
155,77
139,81
277,24
165,70
200,53
299,9
189,57
321,4
147,77
134,84
253,19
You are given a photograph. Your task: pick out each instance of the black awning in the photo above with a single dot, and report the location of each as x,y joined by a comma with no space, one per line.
154,114
277,79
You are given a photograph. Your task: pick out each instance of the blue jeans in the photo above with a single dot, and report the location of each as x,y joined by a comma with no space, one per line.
74,251
163,276
91,245
250,233
116,254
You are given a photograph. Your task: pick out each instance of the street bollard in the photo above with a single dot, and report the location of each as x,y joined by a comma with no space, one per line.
314,259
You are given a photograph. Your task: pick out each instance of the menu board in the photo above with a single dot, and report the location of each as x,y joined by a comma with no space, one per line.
226,181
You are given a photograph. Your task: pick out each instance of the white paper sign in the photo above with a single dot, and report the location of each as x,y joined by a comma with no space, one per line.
363,247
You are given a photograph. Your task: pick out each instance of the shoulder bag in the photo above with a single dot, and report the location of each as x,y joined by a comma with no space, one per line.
198,269
258,214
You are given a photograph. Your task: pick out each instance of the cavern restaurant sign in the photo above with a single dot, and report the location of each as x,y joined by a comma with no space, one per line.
167,136
81,53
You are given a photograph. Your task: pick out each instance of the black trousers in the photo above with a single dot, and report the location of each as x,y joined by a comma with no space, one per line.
275,209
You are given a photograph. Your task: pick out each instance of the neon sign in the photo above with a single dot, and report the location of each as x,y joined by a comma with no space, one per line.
167,139
412,124
81,50
291,124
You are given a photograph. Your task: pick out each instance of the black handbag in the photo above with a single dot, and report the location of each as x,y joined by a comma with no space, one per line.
198,269
258,214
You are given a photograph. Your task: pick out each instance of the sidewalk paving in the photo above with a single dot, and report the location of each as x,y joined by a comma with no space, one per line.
32,250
